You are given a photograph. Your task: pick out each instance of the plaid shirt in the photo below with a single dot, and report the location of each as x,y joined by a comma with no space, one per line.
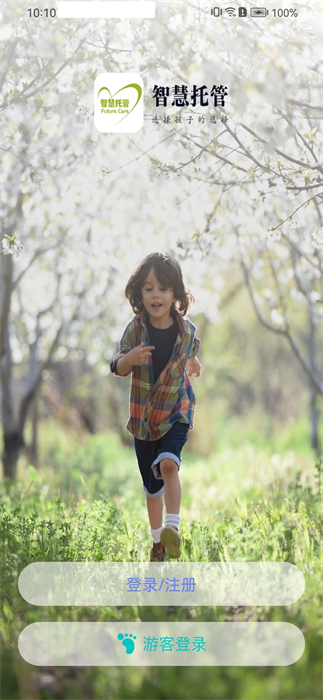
155,407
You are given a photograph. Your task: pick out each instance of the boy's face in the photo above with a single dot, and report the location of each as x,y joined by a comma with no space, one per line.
157,299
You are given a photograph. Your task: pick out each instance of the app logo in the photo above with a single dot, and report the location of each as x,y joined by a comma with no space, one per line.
118,102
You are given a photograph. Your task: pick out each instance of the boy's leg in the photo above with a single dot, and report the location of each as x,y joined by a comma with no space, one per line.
169,536
146,452
172,492
169,455
155,511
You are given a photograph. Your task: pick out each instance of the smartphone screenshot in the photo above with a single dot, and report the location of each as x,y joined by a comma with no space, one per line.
161,308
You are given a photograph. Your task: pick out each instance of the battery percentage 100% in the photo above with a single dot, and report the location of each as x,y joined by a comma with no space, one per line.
285,13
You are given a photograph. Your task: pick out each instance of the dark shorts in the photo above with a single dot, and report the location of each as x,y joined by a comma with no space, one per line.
151,452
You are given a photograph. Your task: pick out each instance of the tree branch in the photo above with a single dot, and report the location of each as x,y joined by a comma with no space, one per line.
215,155
280,331
306,144
23,97
305,104
249,154
300,252
36,255
294,212
35,381
138,157
305,187
34,345
319,213
302,289
312,166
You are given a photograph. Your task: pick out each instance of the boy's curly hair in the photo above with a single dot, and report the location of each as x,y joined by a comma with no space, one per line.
168,273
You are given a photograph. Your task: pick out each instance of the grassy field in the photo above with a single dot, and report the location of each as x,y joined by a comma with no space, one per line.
254,501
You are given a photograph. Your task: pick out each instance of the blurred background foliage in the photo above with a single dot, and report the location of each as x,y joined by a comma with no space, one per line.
251,388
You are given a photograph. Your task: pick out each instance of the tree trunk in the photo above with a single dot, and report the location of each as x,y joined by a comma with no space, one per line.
314,419
32,448
34,442
6,272
314,411
13,425
12,438
13,443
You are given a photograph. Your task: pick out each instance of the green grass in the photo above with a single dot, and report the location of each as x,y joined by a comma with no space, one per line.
86,503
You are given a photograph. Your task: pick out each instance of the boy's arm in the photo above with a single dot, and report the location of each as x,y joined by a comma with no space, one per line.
194,347
193,364
123,363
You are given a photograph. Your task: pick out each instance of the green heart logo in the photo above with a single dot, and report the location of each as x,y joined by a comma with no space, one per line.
131,85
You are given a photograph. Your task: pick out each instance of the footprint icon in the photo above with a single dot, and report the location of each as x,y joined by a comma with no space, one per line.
129,642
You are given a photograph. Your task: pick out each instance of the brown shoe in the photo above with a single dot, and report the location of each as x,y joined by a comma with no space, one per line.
157,552
171,540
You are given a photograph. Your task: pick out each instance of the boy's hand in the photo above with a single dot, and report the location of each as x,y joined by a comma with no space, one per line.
193,366
139,354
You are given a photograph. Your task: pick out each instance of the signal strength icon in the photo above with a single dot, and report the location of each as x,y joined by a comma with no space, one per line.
231,11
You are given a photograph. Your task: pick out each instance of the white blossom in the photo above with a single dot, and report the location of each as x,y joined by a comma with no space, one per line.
274,235
11,246
276,317
318,238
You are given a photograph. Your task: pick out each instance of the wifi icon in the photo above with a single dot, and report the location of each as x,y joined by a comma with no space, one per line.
231,11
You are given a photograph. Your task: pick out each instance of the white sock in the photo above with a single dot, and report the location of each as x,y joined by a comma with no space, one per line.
156,533
173,519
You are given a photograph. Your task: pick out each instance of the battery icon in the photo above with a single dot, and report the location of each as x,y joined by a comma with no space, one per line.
216,11
258,12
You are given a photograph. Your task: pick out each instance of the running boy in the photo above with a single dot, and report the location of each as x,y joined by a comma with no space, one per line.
157,346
